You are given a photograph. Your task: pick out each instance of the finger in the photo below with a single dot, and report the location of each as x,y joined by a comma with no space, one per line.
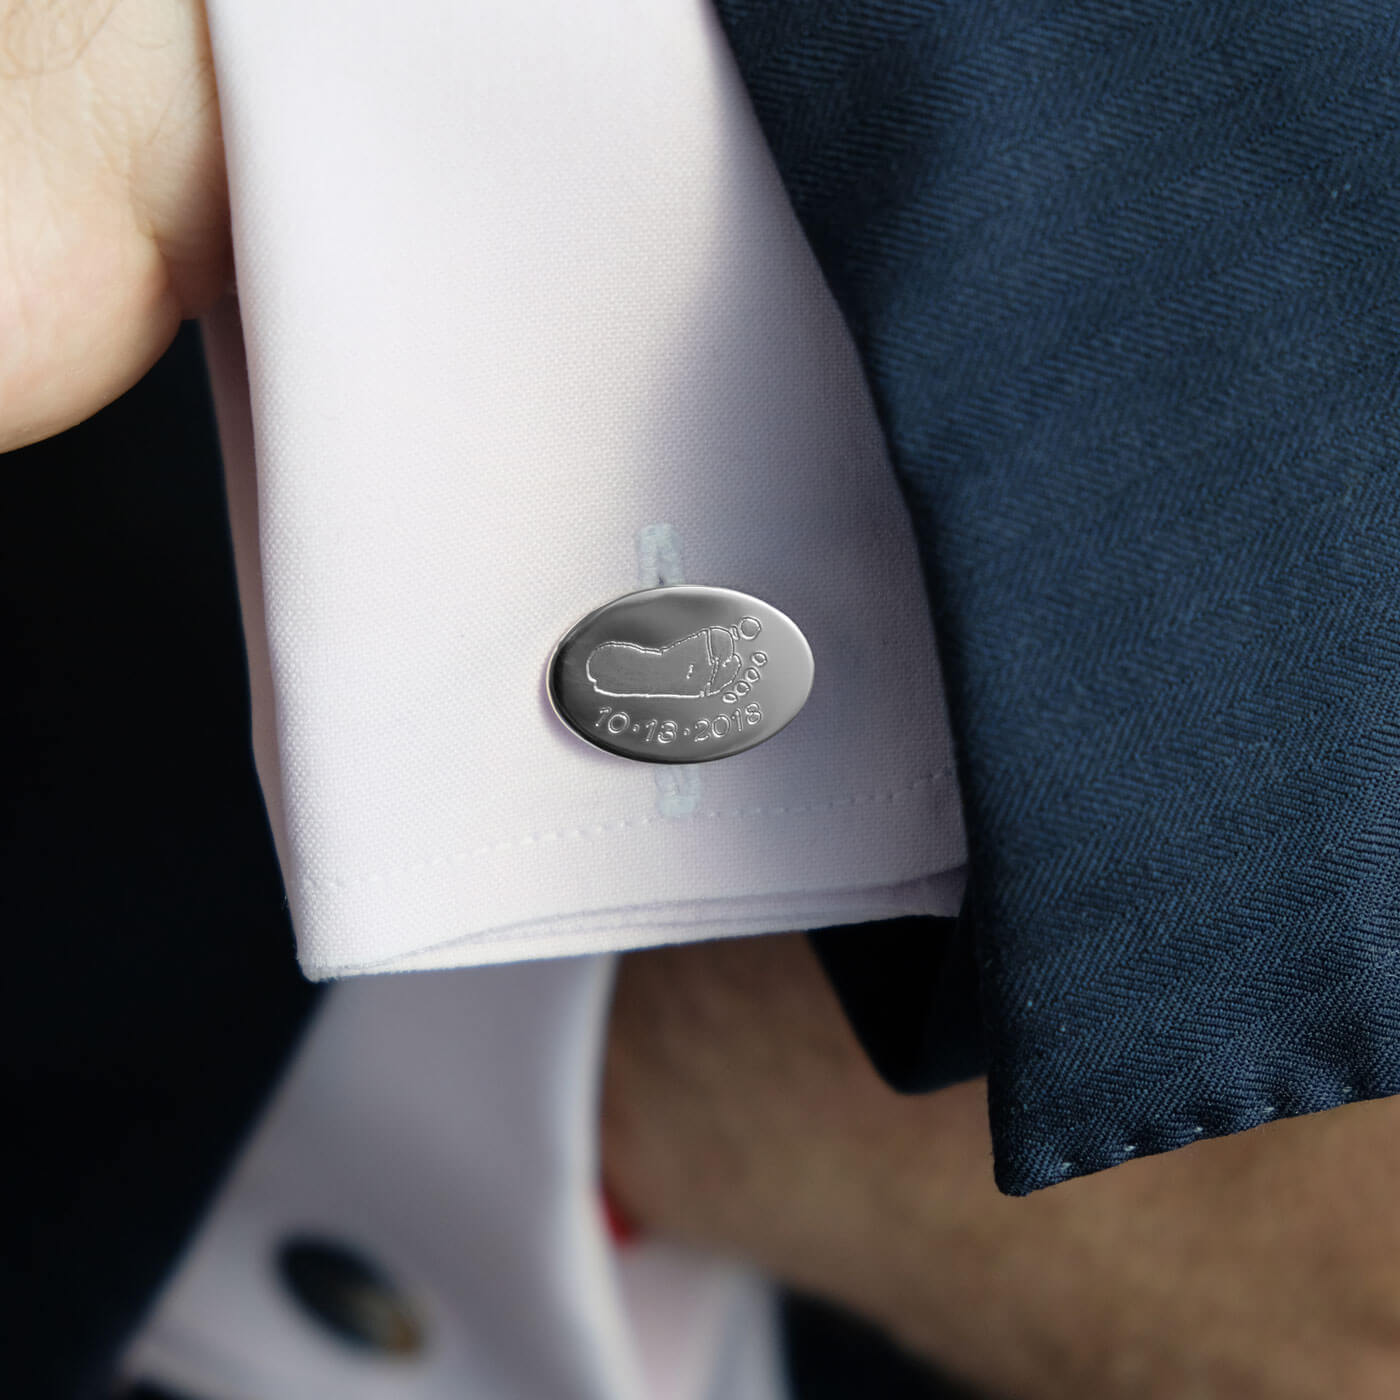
114,211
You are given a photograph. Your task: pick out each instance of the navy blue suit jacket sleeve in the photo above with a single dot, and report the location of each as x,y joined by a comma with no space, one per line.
1125,282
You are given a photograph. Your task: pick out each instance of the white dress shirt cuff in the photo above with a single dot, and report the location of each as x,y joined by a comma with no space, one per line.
521,295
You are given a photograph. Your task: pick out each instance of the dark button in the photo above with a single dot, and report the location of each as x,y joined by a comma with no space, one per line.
350,1296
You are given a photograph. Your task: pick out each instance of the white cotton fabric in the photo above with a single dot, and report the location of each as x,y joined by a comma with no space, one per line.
518,281
443,1126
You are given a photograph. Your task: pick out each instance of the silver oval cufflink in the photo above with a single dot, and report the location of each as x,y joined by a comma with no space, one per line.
681,674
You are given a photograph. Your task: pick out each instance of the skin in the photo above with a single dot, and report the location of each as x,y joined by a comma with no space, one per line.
738,1113
113,206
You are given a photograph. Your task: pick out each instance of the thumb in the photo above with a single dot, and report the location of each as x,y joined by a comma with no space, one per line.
113,204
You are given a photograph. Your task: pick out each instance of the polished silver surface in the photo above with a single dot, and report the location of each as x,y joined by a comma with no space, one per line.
683,674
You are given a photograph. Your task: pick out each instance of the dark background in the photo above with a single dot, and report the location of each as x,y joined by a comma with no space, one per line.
150,988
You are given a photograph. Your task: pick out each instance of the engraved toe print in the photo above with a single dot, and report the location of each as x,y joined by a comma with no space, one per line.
700,664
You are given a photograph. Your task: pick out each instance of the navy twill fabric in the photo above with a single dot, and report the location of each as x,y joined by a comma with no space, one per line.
1124,277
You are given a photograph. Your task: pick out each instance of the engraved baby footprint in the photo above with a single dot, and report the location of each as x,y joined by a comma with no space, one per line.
700,664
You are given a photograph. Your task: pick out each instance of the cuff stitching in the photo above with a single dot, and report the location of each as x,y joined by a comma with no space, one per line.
580,833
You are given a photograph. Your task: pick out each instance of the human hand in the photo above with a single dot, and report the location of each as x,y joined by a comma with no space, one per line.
739,1116
115,210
